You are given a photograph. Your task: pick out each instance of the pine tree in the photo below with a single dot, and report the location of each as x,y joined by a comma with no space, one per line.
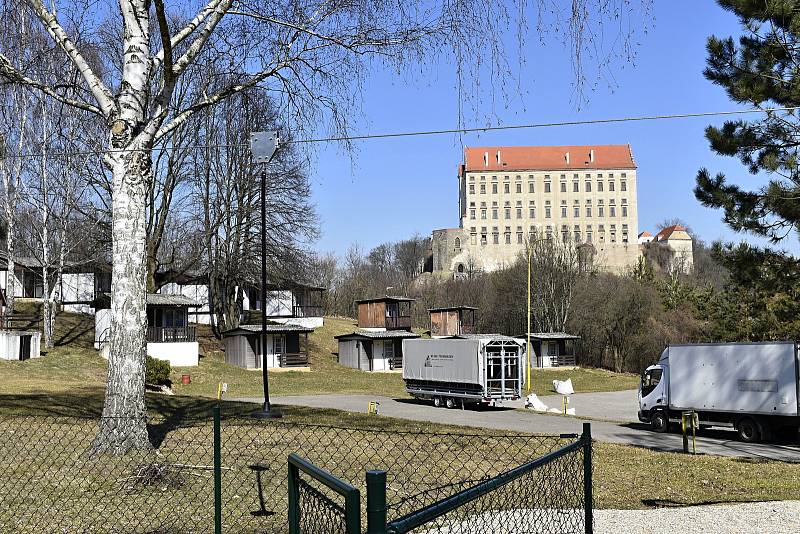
761,70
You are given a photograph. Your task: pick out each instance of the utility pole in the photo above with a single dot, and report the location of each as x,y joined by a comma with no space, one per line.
528,332
263,146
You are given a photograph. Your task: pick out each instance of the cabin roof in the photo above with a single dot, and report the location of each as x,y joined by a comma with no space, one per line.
451,308
548,336
271,329
382,334
386,299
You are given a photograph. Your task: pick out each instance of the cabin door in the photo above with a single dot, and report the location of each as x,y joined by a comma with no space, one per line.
24,347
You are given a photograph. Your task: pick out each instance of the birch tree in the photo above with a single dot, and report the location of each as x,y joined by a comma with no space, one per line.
314,55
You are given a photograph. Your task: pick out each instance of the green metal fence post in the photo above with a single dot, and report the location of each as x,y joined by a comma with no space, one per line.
376,502
217,473
294,499
588,503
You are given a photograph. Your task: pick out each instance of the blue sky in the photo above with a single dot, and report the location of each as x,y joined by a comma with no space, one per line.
395,188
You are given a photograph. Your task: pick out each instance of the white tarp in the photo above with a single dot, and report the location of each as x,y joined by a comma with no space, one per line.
563,387
533,402
442,360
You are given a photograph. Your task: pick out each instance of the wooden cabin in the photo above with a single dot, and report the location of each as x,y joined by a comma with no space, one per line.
170,337
385,313
551,349
287,346
452,321
371,350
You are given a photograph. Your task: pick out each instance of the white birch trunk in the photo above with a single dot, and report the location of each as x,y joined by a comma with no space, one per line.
45,237
124,423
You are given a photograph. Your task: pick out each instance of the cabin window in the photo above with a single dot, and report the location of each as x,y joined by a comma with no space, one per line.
388,349
552,348
279,344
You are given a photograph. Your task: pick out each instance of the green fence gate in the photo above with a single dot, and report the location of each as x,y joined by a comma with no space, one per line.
552,493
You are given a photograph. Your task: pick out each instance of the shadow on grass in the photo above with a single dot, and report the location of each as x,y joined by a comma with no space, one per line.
669,503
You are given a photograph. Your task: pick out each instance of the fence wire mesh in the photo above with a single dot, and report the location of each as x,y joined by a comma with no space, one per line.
548,499
321,509
52,480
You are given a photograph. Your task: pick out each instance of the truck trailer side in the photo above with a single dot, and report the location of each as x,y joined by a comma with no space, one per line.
751,387
457,372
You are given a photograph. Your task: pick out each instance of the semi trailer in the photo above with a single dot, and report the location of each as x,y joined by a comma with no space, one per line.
753,388
463,370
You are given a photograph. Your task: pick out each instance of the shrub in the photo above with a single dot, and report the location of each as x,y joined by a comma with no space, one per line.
157,372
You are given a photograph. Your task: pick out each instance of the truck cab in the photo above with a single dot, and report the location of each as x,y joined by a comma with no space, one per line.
653,402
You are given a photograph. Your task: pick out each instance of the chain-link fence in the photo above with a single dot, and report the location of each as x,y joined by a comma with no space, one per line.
51,480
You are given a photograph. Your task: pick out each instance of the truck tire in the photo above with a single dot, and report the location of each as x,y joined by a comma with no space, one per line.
659,422
748,430
450,402
437,401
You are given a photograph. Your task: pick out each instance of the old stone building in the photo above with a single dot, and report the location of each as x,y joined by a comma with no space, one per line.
507,195
671,249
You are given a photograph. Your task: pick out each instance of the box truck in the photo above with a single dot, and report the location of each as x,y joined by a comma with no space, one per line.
753,388
463,370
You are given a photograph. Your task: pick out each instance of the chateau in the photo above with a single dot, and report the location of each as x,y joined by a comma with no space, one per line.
507,195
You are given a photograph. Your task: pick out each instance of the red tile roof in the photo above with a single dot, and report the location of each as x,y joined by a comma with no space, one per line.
523,158
667,232
645,234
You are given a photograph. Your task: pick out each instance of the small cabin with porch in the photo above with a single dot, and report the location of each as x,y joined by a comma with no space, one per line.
452,321
551,349
371,350
287,346
170,337
385,313
18,341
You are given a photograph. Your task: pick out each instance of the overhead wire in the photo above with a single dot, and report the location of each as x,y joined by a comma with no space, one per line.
421,133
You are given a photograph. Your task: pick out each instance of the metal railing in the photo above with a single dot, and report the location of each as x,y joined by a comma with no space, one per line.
159,334
401,321
293,359
307,311
314,510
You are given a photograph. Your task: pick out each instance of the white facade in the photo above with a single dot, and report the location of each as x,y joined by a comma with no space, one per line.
78,289
11,341
178,354
196,292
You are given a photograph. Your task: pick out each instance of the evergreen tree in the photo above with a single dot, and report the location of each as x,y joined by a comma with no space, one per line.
761,70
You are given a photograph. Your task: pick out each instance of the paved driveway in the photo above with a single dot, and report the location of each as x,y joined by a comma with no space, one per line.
713,442
620,406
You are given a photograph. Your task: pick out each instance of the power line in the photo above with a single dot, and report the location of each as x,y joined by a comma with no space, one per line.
421,133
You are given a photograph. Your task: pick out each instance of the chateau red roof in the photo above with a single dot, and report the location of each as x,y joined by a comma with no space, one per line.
523,158
668,231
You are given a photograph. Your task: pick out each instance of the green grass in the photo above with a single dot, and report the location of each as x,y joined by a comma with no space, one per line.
325,374
584,380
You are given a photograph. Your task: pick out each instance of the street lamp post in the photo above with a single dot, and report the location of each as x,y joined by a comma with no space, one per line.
263,146
528,332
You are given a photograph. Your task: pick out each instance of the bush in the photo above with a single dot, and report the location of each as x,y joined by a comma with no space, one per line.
157,372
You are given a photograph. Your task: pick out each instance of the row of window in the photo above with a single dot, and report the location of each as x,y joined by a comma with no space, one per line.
578,234
587,187
518,210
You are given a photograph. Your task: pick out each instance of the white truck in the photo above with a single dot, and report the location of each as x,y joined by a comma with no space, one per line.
463,370
753,388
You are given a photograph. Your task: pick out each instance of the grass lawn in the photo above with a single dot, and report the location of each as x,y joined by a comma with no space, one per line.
584,380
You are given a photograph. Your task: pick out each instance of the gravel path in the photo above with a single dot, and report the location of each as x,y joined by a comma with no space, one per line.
760,517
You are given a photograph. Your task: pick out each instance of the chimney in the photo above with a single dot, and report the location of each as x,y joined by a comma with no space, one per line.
498,157
591,156
566,156
485,159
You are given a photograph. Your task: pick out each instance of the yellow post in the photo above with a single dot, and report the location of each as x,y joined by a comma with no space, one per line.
528,333
219,390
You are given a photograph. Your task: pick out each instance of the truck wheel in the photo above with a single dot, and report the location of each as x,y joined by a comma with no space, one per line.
450,402
748,430
659,422
437,401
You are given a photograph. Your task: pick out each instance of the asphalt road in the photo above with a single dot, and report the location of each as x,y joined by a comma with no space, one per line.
600,405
